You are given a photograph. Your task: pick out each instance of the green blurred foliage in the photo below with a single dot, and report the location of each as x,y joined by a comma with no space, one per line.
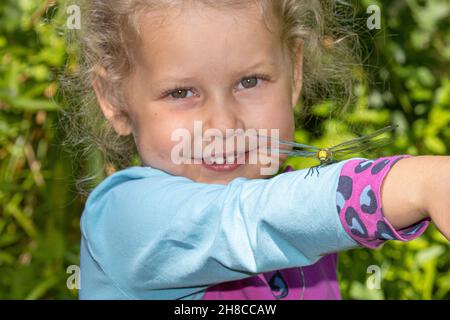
409,59
39,208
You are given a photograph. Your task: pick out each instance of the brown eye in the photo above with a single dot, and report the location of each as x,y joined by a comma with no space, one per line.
250,82
180,93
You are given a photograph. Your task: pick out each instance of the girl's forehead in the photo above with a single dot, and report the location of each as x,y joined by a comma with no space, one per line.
203,18
200,31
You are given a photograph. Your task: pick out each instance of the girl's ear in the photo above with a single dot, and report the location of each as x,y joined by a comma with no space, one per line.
298,72
112,113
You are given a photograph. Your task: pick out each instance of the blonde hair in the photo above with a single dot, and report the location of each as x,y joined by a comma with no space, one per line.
110,28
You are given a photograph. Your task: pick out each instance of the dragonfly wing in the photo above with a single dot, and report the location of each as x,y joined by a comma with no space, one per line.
299,153
290,143
358,140
363,146
297,145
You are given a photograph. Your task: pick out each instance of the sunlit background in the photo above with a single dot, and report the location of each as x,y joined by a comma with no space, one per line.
409,59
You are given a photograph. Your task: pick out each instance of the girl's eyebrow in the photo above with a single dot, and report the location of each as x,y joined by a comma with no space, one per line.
259,64
171,79
263,63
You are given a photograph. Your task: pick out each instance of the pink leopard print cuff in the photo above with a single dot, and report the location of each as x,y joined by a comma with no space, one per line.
359,203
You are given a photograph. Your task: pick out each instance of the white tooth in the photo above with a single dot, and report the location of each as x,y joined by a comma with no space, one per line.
230,159
220,160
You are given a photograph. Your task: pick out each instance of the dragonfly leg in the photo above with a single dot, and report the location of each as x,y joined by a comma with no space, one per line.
317,169
307,174
311,171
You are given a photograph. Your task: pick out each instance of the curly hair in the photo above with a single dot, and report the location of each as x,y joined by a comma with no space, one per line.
331,59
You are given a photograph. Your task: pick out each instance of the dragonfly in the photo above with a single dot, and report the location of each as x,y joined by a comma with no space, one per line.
329,155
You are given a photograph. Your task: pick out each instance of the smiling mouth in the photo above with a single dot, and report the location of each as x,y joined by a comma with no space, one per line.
226,164
224,159
223,162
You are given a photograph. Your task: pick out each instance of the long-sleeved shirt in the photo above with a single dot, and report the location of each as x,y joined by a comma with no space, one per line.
147,234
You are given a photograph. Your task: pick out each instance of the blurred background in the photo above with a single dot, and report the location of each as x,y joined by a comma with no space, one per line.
409,62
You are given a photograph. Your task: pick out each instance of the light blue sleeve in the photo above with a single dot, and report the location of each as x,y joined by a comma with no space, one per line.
158,236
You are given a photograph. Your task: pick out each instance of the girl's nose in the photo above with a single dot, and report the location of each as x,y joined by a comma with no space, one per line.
223,115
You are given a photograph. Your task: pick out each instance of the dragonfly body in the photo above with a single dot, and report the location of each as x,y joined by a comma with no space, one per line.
325,156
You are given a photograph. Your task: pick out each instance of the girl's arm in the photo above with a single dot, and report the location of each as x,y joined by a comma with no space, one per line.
361,207
418,188
155,235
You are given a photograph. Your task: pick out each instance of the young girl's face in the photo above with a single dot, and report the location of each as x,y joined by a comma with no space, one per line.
222,67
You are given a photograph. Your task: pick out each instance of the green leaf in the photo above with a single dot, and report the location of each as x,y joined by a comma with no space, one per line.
35,105
435,145
431,253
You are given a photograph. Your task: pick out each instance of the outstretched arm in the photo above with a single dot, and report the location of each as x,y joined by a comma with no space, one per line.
159,236
417,188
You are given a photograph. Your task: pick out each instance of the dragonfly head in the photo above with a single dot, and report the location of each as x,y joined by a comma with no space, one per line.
324,154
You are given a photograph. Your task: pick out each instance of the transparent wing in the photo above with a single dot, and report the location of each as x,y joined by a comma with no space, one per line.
362,146
291,143
356,145
299,153
363,139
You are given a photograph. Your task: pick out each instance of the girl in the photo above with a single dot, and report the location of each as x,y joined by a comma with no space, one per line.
215,230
